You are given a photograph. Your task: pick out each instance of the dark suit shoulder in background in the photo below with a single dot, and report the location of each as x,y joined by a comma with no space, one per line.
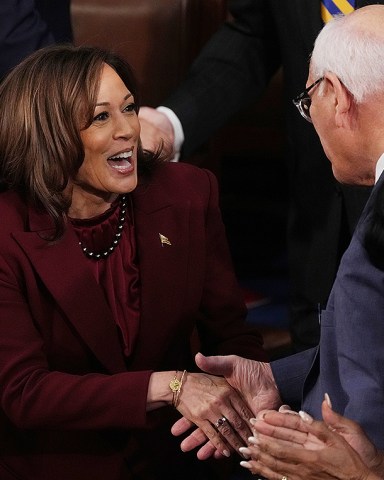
22,31
57,15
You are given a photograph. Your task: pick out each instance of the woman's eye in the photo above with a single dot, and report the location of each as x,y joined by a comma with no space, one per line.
100,117
130,108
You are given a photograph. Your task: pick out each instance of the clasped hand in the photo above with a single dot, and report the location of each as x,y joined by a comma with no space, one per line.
217,409
221,406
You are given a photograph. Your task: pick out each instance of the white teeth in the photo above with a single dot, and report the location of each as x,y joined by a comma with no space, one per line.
121,168
122,155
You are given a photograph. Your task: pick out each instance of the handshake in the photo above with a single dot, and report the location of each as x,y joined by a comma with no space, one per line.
222,401
234,407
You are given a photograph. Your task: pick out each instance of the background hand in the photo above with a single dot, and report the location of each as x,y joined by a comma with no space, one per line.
156,131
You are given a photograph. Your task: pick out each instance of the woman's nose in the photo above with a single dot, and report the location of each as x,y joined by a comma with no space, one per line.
126,127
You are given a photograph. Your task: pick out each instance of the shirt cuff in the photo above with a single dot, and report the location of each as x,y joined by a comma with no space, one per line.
177,129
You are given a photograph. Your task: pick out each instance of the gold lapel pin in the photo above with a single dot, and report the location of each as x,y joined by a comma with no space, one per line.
164,240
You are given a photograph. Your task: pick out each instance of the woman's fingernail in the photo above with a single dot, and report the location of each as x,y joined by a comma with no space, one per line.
285,408
245,452
254,440
328,400
226,453
246,464
305,417
253,421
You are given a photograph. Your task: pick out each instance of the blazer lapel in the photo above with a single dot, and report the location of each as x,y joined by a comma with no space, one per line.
63,269
163,239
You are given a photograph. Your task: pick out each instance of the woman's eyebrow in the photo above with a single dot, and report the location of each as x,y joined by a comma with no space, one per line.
107,103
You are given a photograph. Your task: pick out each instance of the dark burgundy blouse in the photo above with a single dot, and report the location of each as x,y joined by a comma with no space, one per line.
118,274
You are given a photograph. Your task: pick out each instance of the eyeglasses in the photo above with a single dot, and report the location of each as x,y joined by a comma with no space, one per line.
303,101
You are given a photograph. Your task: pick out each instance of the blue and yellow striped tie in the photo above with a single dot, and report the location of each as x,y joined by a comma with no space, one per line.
329,8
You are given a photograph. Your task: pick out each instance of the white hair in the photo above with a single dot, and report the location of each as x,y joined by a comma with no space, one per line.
354,54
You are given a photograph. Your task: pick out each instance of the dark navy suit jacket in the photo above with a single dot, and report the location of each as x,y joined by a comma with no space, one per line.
22,31
348,364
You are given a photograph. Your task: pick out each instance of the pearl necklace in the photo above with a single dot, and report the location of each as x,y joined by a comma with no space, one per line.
116,239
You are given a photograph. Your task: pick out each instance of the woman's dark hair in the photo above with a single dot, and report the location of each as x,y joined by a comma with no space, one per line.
46,101
374,236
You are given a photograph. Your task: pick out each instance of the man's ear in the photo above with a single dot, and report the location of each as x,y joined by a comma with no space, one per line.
343,101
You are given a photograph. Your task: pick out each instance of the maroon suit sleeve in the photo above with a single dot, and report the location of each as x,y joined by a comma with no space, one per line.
36,342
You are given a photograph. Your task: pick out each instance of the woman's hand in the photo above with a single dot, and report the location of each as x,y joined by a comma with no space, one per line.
252,380
355,436
298,448
217,409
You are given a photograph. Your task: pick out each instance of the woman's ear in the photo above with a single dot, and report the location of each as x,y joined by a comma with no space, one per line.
343,101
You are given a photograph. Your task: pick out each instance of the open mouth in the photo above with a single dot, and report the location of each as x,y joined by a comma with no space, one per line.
121,161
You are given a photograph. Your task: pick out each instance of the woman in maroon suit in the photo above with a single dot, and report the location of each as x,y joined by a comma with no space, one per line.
109,260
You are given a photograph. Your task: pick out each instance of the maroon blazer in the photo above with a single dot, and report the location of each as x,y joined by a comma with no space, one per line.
72,407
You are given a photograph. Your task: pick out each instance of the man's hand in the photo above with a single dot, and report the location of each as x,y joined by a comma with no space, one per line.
156,132
253,380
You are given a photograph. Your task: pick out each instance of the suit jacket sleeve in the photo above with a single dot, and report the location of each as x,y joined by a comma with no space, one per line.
35,395
355,321
231,70
290,374
22,31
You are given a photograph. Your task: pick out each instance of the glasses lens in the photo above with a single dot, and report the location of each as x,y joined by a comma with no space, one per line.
305,105
303,101
304,108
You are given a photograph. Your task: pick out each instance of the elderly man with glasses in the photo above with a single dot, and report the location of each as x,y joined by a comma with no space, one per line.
345,103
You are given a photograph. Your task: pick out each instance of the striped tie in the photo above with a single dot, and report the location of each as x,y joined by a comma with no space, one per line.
336,7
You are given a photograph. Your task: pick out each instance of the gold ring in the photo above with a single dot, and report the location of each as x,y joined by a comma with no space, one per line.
284,477
220,422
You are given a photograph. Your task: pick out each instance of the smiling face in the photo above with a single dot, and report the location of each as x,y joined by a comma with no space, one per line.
110,148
